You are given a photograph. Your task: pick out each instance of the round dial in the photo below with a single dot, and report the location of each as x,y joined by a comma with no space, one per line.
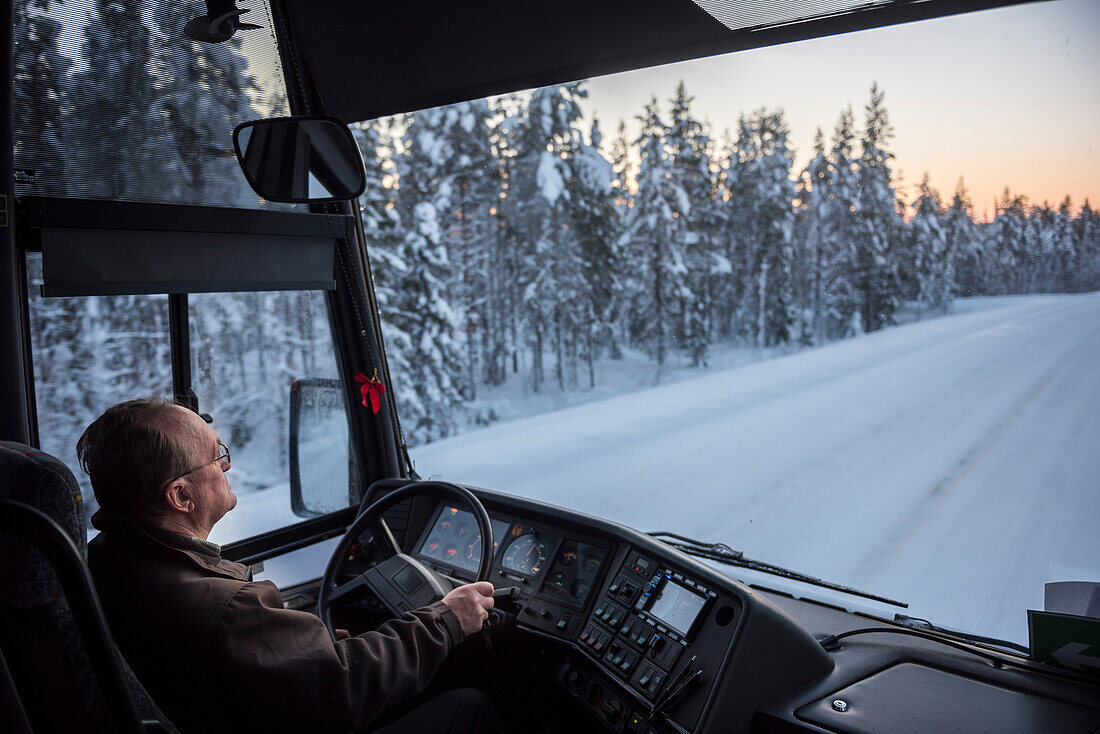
590,563
525,555
568,557
578,588
450,552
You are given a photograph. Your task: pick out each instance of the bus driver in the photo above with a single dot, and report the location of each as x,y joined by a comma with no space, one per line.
219,652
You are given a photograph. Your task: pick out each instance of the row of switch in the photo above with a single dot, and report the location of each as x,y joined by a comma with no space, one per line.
595,638
650,680
610,614
621,657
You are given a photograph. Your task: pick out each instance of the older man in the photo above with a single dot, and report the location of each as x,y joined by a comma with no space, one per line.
217,651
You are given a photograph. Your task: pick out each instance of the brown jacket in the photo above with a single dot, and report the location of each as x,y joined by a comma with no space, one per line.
218,652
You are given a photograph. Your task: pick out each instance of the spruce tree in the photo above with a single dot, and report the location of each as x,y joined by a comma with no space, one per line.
596,228
546,139
812,219
204,93
39,96
964,242
690,163
839,267
878,234
117,132
655,227
929,246
421,307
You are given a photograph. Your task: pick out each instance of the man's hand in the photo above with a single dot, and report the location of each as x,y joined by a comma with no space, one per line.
471,604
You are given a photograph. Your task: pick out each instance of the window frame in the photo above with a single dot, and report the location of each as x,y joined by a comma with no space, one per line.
350,307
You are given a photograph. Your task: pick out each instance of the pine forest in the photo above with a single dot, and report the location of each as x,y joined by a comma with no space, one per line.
513,240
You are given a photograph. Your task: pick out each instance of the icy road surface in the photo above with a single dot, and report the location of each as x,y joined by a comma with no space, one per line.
951,463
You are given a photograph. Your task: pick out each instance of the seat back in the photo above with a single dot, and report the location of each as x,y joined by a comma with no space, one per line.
54,639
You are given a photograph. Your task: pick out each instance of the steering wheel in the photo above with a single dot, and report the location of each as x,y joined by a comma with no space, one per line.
398,581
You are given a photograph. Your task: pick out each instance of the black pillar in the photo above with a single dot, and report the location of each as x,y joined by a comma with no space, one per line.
16,375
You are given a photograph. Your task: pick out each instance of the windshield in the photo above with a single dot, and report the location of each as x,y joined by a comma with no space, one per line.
781,299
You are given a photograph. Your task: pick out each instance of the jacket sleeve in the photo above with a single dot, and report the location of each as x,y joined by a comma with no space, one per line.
292,676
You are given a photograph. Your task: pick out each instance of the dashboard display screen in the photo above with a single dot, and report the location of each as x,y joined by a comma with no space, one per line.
676,605
454,538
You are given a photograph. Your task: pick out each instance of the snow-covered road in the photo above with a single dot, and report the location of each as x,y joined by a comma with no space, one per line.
953,463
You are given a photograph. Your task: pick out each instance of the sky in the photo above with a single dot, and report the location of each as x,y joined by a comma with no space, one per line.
1007,97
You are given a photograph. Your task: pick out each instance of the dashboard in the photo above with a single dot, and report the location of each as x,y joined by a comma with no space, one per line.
650,641
651,635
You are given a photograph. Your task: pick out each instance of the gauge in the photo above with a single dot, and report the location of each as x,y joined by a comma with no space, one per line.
462,529
568,556
432,547
590,563
558,580
473,550
578,589
450,553
445,524
526,555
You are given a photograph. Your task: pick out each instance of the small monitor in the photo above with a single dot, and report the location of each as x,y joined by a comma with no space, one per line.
675,605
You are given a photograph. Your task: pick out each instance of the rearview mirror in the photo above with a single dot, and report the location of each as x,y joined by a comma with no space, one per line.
298,160
323,470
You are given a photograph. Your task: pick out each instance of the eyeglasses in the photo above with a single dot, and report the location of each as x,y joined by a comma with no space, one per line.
223,456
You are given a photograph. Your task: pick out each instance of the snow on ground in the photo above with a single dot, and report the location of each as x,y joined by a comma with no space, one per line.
951,462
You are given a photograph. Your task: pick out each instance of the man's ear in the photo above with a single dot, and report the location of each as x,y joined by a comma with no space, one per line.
178,497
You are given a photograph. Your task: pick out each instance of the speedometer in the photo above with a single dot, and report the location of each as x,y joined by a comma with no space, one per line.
526,555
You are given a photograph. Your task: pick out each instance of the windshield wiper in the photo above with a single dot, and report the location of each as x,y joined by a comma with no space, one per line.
917,623
724,554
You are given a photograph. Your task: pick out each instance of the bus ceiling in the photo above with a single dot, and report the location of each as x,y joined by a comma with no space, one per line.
368,60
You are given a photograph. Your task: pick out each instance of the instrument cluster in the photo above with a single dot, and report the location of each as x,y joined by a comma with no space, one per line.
552,563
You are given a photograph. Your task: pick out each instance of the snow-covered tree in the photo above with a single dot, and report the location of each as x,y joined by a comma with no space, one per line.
689,158
546,138
879,222
964,242
117,130
596,226
656,225
775,222
421,309
840,301
811,225
204,93
39,96
933,260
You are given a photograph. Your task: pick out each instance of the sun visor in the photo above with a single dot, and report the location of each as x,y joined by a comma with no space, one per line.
93,248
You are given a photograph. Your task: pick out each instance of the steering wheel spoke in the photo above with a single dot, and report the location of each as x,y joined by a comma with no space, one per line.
356,588
382,540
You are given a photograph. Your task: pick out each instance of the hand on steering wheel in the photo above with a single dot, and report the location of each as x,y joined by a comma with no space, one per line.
400,582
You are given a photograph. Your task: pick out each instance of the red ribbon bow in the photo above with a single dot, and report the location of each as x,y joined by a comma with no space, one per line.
373,389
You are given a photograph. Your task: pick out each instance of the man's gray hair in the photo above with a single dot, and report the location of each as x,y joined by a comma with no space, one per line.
129,457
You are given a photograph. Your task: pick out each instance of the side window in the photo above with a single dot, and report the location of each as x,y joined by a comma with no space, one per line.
90,353
250,352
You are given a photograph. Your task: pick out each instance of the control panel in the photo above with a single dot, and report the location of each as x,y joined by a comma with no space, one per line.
644,623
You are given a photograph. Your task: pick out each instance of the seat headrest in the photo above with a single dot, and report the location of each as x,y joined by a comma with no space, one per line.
35,478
